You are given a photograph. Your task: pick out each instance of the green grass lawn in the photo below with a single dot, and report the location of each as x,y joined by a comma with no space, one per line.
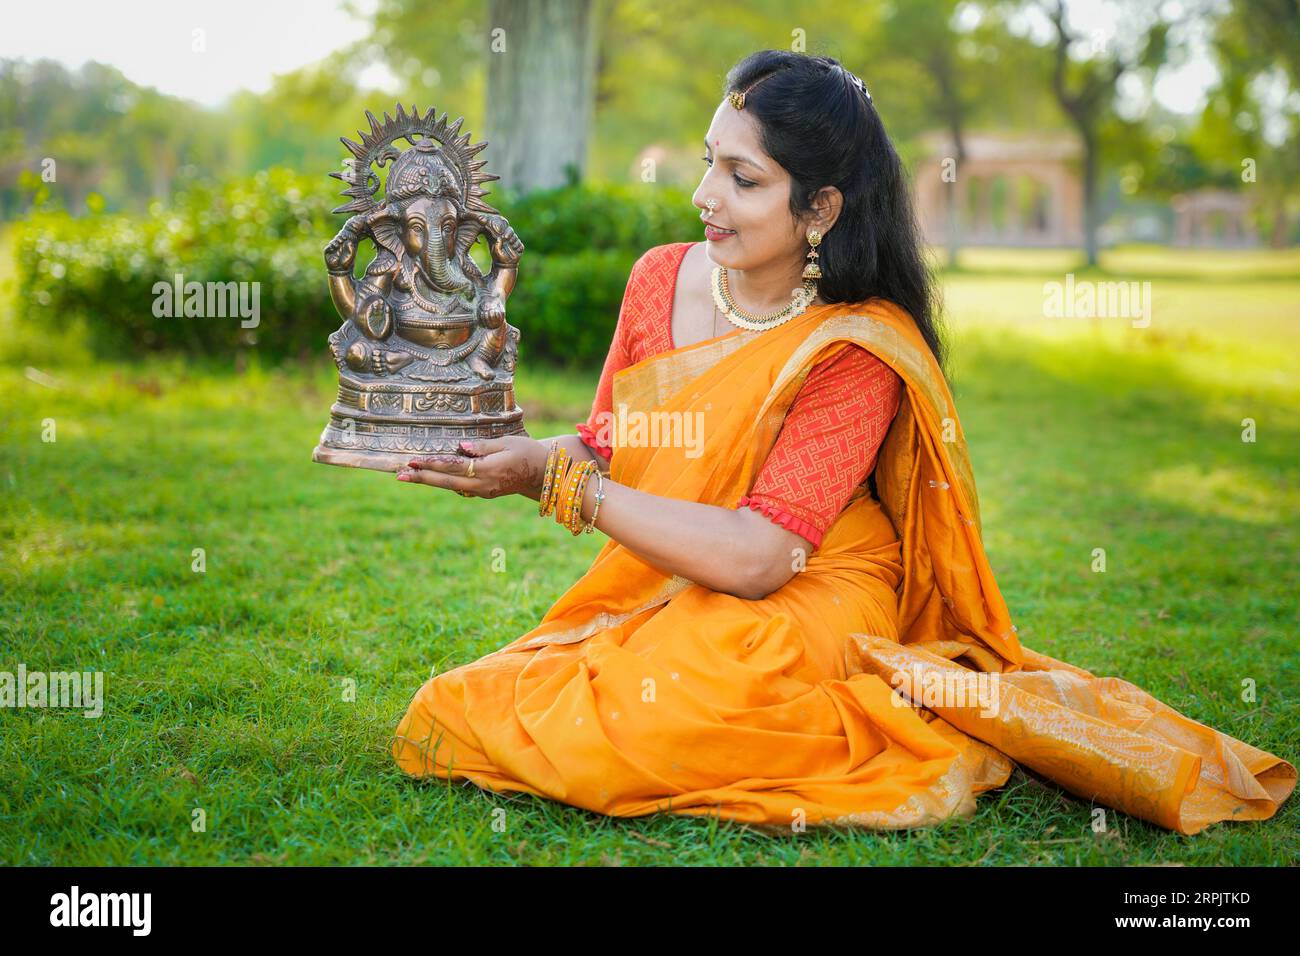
226,689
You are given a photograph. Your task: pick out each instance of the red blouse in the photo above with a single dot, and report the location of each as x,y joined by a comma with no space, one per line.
830,437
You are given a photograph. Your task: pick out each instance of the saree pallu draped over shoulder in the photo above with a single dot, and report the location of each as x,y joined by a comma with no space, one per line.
883,686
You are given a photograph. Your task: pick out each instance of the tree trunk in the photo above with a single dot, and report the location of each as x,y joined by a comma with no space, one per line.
954,226
541,88
1089,194
1281,230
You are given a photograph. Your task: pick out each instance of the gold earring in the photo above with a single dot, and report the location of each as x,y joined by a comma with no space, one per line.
812,270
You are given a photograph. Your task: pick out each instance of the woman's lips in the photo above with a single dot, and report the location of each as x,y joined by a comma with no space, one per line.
713,234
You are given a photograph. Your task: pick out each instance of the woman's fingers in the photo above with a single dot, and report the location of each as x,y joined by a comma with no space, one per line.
488,457
426,475
449,464
482,446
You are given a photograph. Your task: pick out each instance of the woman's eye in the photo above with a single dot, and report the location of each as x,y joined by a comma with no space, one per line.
742,183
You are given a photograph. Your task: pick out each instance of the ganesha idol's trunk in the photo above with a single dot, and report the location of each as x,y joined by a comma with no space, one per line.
445,275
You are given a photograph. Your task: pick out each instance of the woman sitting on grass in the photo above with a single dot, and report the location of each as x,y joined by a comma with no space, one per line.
793,620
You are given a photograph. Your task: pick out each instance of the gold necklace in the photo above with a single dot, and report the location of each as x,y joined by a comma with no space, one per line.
747,320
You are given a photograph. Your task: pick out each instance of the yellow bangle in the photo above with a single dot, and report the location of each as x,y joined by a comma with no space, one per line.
573,481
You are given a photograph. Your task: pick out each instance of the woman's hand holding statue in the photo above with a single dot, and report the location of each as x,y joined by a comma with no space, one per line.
485,468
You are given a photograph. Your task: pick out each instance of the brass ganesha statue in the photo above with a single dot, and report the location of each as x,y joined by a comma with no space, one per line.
425,356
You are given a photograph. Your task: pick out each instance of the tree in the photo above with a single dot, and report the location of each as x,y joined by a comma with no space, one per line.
1250,128
922,32
541,89
522,73
1086,88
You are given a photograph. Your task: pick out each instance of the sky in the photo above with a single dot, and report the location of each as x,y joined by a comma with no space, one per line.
242,44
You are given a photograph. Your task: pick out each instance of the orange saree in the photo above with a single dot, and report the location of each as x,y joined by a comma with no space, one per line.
883,686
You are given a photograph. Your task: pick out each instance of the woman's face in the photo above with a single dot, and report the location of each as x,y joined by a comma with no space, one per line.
753,197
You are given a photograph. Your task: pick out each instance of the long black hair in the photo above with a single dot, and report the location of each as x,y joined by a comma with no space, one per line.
817,124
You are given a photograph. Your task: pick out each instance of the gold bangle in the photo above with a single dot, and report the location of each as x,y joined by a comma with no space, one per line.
562,510
548,477
580,489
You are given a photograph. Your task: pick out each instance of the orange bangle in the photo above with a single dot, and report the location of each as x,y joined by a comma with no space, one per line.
566,496
574,524
564,472
572,490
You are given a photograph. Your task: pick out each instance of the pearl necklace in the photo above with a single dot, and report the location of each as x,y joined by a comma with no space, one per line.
746,320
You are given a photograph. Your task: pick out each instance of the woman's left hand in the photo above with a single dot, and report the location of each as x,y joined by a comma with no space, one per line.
511,465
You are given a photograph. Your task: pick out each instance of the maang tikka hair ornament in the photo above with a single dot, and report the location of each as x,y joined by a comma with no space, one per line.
738,99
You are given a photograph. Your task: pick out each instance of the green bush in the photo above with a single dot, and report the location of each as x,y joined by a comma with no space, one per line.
575,219
97,275
566,307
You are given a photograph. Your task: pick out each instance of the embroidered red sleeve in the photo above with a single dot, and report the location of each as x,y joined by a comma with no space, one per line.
828,443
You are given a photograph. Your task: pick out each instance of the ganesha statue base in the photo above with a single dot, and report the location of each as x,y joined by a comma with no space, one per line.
383,425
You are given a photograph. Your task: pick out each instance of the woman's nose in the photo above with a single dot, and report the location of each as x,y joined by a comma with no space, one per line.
702,191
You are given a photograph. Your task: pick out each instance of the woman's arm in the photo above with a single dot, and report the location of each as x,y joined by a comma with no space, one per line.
736,552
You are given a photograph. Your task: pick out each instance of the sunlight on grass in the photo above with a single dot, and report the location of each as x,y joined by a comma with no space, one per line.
1134,261
1222,493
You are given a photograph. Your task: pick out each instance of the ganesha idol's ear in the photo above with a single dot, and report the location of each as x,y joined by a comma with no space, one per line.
384,212
467,234
385,229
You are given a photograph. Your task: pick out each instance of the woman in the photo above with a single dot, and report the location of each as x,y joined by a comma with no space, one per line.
793,621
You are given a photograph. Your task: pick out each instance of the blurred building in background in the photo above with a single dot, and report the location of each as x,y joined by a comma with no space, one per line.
1008,190
1213,217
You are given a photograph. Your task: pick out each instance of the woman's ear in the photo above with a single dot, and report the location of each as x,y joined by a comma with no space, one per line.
827,205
